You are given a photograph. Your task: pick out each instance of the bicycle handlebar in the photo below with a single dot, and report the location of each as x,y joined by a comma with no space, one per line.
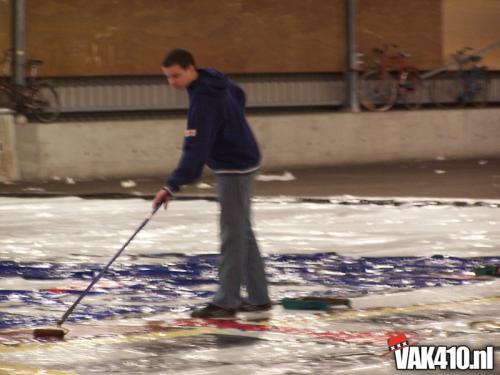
461,56
463,51
9,53
384,51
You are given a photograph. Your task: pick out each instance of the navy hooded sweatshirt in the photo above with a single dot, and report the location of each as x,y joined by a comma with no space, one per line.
217,134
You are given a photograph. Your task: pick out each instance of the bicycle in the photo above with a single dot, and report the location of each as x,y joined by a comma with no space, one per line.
393,78
36,97
467,85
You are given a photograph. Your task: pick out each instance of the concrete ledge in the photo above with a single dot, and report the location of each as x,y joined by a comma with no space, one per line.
346,138
9,170
141,148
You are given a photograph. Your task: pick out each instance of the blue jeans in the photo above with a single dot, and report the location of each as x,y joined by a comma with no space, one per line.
240,260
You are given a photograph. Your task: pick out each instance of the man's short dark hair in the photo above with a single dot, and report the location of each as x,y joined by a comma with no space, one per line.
179,57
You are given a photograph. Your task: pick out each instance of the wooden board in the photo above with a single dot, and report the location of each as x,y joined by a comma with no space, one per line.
415,25
131,38
94,38
5,34
474,24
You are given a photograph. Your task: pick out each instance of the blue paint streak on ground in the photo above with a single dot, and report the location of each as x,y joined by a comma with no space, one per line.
165,284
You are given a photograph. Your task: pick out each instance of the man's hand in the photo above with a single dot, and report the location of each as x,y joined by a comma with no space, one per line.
162,197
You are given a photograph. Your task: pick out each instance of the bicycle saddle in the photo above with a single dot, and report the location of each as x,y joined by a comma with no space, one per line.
35,62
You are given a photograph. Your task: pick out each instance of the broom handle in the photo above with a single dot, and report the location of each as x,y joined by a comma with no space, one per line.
96,279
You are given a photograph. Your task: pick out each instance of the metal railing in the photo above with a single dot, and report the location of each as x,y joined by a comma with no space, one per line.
101,94
108,94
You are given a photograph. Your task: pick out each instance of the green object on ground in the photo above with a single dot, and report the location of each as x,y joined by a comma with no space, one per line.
487,271
314,303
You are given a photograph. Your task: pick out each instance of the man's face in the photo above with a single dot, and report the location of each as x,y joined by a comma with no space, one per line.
178,77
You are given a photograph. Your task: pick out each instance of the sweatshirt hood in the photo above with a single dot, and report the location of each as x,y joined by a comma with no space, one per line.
209,82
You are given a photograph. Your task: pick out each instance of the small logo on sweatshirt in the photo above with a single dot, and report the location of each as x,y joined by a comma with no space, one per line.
190,133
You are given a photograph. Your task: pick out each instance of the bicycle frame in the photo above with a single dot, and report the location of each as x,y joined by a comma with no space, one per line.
468,71
34,97
468,84
396,62
392,69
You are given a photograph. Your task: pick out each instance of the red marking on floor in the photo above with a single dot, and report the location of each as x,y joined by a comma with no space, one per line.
342,336
57,290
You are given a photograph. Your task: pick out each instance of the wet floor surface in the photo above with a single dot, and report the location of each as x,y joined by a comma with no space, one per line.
441,178
407,266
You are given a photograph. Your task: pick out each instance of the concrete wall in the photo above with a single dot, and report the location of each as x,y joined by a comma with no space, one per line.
9,167
346,138
98,149
89,150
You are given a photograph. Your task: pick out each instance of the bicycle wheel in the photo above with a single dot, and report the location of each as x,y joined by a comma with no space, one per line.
6,99
445,90
411,89
377,91
44,102
477,88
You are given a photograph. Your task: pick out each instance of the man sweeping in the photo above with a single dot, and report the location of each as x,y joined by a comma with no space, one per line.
219,136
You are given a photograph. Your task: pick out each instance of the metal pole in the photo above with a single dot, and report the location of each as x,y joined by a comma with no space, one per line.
18,41
105,269
351,52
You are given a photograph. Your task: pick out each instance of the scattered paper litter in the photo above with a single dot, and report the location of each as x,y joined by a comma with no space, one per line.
128,184
69,180
286,176
203,185
33,189
439,171
482,162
